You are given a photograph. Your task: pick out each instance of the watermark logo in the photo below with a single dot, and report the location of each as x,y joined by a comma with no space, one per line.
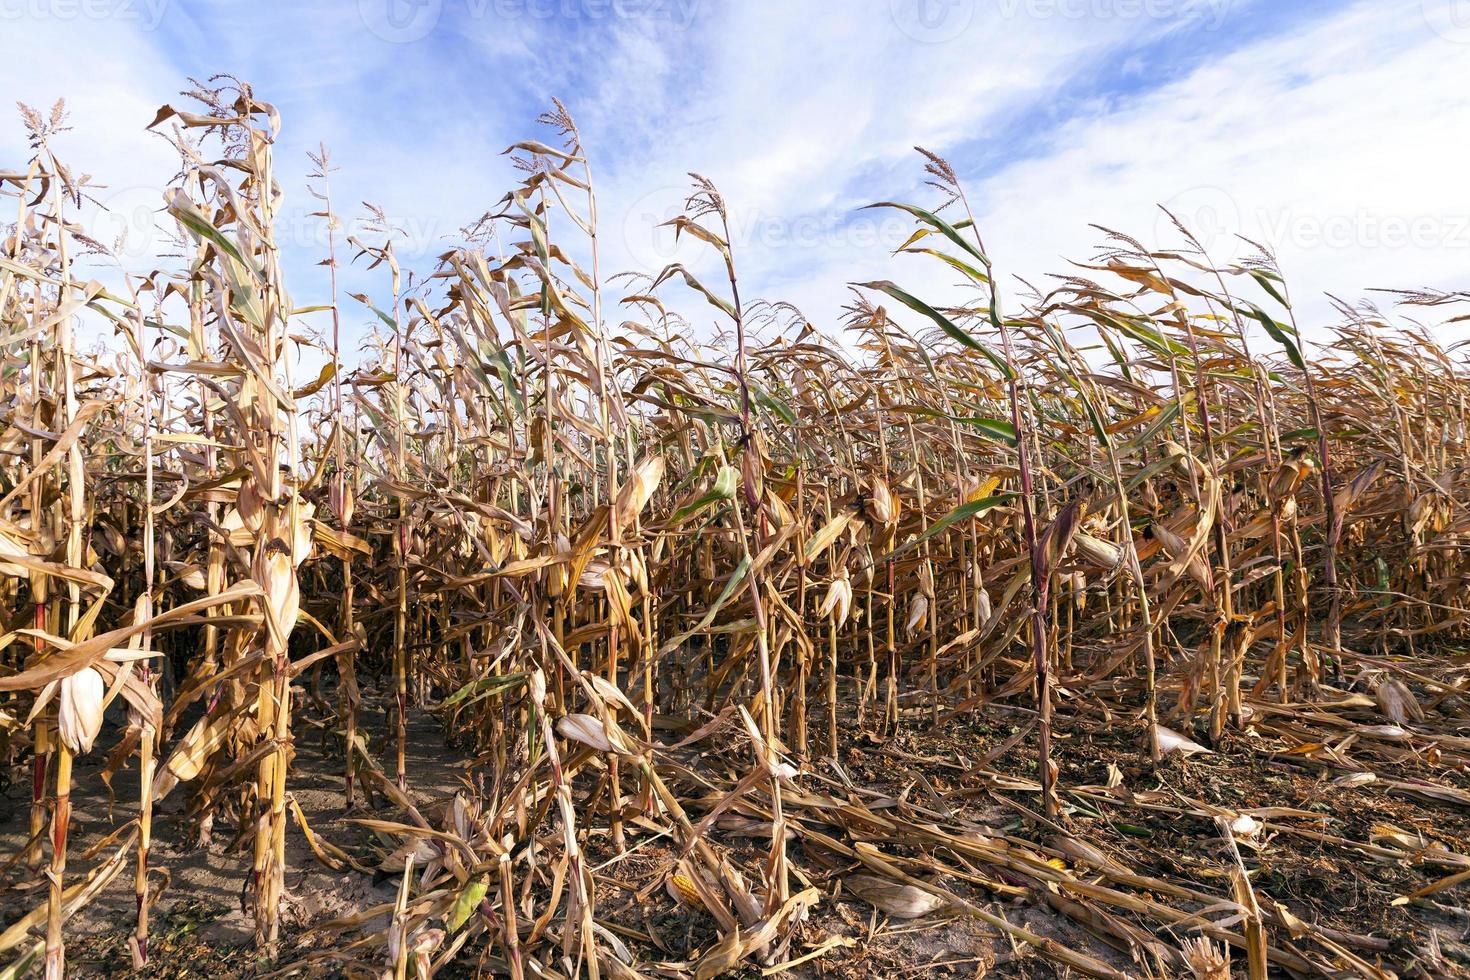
131,223
1366,228
650,241
400,21
1450,19
1210,214
932,21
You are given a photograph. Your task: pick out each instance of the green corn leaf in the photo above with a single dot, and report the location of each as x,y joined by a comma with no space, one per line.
973,508
944,322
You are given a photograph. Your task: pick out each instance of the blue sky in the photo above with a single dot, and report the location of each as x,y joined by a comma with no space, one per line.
1332,130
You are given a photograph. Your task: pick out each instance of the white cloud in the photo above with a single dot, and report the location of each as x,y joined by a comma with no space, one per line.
1334,140
108,107
1340,147
1335,143
801,121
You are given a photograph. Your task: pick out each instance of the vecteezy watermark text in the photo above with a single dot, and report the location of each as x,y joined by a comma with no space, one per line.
147,14
406,21
679,13
941,21
1217,221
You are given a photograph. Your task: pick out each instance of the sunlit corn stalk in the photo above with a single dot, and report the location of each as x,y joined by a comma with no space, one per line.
403,531
149,734
341,497
1092,402
1271,448
610,420
43,735
1225,664
1332,535
79,712
273,566
706,201
251,310
43,744
1040,578
510,937
578,919
944,178
797,728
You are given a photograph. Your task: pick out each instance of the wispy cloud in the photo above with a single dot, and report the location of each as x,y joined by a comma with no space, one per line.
1327,130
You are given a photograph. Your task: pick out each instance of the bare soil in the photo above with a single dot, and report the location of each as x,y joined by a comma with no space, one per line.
1328,871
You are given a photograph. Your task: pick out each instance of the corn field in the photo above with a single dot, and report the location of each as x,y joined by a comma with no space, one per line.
662,578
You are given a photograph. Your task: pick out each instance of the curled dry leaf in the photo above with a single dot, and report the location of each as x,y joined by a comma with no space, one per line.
918,614
1170,741
594,733
893,898
639,489
1245,827
1398,703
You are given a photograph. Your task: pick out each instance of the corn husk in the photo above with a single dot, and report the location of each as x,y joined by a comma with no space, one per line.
79,712
882,506
1103,554
893,898
837,603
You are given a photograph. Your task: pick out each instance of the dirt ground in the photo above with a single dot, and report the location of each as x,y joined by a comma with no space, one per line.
202,924
1345,859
